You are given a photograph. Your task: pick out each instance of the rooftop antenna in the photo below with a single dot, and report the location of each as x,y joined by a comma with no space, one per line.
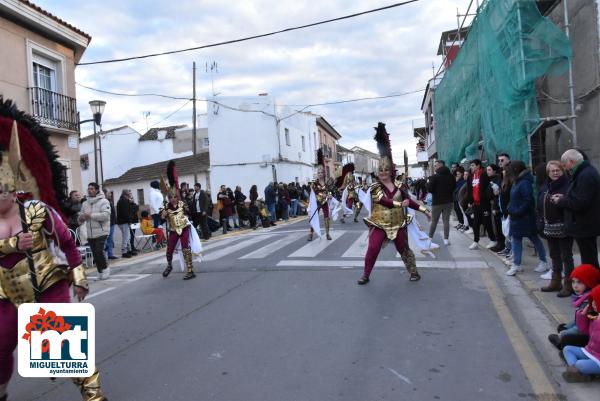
213,68
146,115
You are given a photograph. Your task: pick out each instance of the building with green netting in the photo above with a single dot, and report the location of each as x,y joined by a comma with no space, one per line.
508,88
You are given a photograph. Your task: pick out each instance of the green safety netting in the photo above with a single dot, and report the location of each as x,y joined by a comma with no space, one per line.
488,93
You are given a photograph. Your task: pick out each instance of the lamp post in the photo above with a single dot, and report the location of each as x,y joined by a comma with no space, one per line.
97,107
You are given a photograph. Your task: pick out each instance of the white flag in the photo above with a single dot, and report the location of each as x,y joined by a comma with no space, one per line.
347,212
365,198
334,208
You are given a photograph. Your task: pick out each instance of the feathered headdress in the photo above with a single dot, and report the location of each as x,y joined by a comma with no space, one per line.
35,173
383,145
347,169
170,186
320,159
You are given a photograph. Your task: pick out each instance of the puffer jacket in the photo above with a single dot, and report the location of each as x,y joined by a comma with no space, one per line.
99,223
522,206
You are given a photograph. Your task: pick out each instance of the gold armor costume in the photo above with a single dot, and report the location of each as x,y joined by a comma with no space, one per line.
51,241
176,217
15,283
388,219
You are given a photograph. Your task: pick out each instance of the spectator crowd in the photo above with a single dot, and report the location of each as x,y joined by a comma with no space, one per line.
560,205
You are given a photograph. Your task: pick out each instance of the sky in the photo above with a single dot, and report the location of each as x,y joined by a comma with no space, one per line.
387,52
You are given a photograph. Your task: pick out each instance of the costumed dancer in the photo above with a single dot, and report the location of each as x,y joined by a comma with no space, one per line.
349,194
180,231
389,218
39,260
319,198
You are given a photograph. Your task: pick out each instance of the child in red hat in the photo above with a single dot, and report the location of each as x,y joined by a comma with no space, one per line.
585,278
585,361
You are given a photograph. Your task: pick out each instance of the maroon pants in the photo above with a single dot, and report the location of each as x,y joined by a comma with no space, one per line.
376,239
172,241
58,293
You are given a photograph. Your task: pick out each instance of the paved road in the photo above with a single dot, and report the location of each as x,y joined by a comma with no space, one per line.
272,317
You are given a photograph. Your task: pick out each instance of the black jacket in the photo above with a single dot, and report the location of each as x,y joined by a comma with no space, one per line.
124,211
113,213
71,210
546,210
580,204
442,185
240,198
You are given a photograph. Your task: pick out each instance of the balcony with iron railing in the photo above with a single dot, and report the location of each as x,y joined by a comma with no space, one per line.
53,109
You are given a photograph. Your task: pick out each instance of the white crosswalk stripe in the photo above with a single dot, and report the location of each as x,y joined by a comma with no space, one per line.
438,264
271,247
228,250
317,245
358,249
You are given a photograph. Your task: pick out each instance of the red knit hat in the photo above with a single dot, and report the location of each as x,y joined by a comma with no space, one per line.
589,275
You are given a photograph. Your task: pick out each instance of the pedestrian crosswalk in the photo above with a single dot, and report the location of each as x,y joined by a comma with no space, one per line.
316,246
346,249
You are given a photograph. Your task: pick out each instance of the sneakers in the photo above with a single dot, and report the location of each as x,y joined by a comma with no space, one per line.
541,267
514,269
104,274
503,252
491,245
547,275
469,231
446,242
126,255
474,246
497,248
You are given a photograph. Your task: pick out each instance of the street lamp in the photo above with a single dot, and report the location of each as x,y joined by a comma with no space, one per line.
97,107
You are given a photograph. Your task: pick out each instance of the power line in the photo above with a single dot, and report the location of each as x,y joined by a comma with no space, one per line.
289,105
249,37
132,94
170,115
357,100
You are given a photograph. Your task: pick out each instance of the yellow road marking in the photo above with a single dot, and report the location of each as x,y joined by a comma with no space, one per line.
542,388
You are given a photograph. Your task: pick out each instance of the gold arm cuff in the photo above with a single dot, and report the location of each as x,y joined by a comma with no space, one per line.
9,245
423,209
78,277
397,203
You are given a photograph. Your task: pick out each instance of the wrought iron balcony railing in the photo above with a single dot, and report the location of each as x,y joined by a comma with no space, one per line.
53,109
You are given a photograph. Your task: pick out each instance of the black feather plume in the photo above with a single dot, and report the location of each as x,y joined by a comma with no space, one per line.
320,158
383,141
172,175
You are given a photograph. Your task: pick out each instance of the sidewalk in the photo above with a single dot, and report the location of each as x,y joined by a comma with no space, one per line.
559,309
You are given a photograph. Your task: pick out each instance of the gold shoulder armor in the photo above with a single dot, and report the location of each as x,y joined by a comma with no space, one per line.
376,191
35,215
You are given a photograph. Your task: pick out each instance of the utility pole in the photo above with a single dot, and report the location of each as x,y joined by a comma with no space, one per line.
194,120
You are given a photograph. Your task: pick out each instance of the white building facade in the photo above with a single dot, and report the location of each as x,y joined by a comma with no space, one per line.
124,148
254,142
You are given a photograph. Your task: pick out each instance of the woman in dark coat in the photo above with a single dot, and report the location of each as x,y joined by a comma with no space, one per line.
521,210
561,249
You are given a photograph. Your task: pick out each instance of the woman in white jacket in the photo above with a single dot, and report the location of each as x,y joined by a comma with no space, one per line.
95,213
